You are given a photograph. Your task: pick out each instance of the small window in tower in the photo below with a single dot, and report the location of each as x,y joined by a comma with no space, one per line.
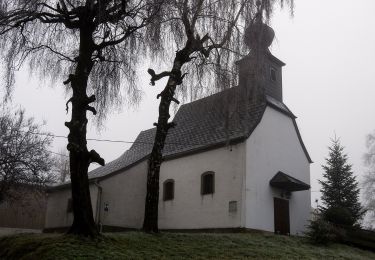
168,190
273,73
208,183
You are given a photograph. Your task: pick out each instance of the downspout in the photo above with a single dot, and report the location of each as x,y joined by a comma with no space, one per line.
98,205
243,188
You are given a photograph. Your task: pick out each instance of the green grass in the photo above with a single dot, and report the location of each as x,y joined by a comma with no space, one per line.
136,245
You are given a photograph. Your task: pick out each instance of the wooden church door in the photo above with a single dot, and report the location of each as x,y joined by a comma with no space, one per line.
281,215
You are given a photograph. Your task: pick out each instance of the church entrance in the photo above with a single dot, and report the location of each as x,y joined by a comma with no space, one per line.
281,216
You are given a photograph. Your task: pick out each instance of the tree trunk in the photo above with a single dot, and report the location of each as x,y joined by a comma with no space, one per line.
80,157
150,223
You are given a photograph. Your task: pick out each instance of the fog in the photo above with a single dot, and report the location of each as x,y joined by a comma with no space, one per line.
328,82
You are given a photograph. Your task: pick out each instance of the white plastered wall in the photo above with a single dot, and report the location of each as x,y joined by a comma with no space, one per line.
125,195
191,210
274,146
57,215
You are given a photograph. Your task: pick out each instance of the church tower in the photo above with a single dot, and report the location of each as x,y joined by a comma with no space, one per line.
260,73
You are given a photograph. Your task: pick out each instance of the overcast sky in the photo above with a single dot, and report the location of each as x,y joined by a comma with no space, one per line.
328,82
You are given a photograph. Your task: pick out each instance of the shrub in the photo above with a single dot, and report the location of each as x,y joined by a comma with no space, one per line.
322,232
339,216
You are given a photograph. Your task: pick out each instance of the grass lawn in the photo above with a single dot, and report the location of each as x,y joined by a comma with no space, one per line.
136,245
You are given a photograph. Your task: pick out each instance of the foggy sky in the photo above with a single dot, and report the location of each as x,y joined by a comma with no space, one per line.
328,83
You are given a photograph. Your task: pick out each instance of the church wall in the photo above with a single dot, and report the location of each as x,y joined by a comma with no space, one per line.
124,194
120,201
274,146
57,214
191,210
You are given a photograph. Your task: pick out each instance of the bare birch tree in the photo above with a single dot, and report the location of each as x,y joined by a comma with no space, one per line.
24,156
369,179
207,36
94,45
61,163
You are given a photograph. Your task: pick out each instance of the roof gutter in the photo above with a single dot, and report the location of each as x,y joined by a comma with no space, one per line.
66,185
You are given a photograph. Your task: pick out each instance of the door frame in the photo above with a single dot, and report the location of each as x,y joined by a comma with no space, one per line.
281,210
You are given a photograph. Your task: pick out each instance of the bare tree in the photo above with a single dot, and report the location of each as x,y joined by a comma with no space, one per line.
95,46
61,163
24,156
207,37
369,179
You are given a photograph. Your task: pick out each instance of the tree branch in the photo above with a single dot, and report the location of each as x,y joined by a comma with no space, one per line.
67,102
156,77
95,157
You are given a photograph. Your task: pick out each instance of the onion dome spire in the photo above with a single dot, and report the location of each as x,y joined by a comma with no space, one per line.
258,35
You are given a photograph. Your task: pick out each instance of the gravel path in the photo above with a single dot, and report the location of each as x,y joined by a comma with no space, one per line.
11,231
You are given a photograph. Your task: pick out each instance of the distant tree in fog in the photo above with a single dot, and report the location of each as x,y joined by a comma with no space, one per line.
24,155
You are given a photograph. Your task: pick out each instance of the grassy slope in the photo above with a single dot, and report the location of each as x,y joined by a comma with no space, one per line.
134,245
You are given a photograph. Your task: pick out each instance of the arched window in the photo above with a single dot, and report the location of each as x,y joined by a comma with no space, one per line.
208,183
168,190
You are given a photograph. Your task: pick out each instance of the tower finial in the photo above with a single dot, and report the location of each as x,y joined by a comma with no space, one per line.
258,35
259,5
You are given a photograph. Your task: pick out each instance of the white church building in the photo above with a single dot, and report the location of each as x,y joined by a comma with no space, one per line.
233,161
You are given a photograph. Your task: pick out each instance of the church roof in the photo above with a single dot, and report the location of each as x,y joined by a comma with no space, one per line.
217,120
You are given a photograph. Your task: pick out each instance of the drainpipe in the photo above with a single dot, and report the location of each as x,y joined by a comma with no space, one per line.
98,205
243,190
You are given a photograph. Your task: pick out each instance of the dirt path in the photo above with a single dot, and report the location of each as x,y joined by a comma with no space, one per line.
12,231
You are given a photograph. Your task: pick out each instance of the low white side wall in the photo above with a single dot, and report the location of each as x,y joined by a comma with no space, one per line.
125,195
57,203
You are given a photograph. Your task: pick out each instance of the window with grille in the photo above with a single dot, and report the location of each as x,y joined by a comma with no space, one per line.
168,190
208,183
232,206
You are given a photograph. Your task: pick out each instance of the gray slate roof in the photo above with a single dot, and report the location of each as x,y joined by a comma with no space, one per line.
205,123
220,119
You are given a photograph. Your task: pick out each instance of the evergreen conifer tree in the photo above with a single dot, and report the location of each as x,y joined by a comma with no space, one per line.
340,192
